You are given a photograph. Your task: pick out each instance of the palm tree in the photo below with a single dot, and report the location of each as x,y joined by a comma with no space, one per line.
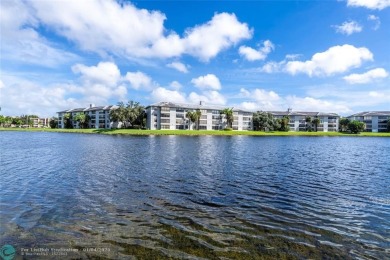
316,121
119,114
68,120
191,118
82,119
198,115
308,121
228,112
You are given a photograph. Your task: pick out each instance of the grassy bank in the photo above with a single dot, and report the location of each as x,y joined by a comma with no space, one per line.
189,132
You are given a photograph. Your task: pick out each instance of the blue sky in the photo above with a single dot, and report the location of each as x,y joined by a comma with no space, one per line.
329,56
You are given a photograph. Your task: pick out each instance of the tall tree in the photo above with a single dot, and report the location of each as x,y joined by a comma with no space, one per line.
262,121
68,120
228,112
316,121
284,124
2,120
53,123
308,123
82,119
119,114
343,123
190,115
197,115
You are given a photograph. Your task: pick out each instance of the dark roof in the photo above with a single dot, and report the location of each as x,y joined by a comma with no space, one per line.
94,108
300,113
109,107
371,113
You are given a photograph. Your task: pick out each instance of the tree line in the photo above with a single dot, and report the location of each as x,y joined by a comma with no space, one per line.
8,121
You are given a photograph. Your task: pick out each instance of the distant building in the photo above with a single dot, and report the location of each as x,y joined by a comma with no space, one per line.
40,122
168,115
376,121
329,122
99,116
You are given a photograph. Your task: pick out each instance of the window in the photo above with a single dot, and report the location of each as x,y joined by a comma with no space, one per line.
179,110
165,109
203,122
165,121
165,115
165,127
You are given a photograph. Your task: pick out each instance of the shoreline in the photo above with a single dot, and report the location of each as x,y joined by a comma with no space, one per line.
192,132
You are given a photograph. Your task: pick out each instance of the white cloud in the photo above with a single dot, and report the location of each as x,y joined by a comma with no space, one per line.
367,77
27,97
293,56
348,28
175,85
260,99
207,40
336,59
178,66
163,94
128,31
252,55
376,20
104,73
272,67
210,97
265,100
209,81
370,4
139,80
316,105
21,43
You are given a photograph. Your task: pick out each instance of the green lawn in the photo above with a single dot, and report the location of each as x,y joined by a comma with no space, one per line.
190,132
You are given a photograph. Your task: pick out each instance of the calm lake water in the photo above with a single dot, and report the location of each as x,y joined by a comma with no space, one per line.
213,197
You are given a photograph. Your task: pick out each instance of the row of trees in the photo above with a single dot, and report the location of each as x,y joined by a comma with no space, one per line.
81,118
7,121
132,115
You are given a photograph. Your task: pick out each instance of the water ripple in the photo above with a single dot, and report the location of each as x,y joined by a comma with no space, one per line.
198,197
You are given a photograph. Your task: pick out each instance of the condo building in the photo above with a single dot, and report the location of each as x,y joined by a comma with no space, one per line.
376,121
99,117
40,122
329,122
168,115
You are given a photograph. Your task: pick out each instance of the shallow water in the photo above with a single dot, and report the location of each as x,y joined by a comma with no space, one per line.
196,197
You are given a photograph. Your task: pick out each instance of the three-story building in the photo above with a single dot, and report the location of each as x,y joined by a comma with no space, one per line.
169,115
